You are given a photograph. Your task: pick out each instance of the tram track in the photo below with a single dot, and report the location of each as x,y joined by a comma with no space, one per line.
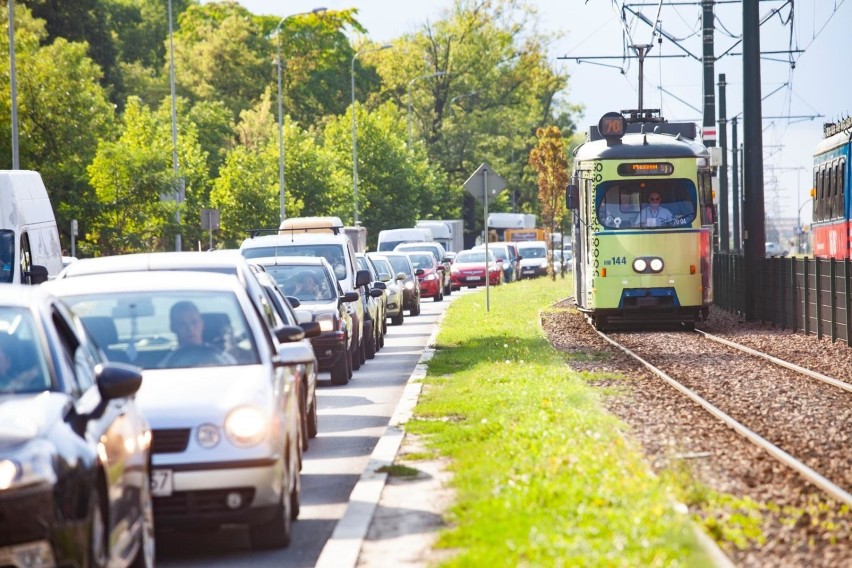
831,488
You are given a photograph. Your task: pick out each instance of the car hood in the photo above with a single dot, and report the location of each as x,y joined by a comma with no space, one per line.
27,416
174,398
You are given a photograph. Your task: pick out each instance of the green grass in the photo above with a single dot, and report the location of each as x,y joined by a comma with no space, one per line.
543,475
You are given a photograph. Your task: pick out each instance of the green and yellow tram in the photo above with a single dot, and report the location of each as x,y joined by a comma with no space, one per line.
643,222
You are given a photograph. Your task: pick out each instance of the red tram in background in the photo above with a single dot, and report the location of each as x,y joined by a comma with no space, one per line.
831,227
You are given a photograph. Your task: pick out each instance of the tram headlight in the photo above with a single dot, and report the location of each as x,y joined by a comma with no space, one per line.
647,264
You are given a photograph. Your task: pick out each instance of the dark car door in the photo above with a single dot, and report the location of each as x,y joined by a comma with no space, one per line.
117,427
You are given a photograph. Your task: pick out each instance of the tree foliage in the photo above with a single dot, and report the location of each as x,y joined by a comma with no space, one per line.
549,160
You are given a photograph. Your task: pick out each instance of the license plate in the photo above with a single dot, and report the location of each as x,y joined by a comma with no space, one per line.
473,278
161,482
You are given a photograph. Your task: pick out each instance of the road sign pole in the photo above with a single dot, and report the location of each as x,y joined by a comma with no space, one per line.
485,224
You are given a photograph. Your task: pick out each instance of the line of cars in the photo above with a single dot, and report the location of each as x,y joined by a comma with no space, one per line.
93,457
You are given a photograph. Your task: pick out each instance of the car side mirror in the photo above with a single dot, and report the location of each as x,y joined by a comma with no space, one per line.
311,328
376,293
519,258
380,286
441,267
500,260
400,276
294,302
289,333
114,380
350,297
362,278
419,272
572,197
37,274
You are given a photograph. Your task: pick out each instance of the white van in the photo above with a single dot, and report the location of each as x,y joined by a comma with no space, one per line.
389,238
30,252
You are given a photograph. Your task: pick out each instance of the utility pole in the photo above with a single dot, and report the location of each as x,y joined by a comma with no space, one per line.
735,184
724,241
709,61
754,233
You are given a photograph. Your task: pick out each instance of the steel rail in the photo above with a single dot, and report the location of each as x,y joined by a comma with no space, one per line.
786,364
806,472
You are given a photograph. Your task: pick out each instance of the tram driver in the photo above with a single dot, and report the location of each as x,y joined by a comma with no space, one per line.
653,214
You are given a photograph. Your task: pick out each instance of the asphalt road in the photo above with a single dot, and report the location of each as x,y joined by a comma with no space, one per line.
351,420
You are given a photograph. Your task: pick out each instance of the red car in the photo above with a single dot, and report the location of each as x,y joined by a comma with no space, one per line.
469,269
430,280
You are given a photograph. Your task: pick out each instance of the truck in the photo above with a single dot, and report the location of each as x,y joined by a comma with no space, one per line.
448,232
30,252
517,235
498,223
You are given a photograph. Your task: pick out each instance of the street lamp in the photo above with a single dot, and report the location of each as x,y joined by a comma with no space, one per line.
427,76
355,128
280,115
457,97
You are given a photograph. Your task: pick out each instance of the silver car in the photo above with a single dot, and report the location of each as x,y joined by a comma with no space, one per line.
393,283
219,393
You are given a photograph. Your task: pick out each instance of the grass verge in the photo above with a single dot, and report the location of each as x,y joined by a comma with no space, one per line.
542,473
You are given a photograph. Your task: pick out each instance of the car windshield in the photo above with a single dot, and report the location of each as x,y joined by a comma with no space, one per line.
401,263
533,252
165,329
23,367
384,267
307,283
423,261
473,256
333,253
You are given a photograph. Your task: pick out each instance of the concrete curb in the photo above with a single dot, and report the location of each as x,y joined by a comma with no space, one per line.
344,546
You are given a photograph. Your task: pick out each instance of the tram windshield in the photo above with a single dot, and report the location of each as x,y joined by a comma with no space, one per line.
646,203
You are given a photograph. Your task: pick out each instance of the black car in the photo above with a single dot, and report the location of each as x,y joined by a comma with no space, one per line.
74,450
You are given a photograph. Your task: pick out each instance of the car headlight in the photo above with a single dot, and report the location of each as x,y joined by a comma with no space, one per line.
430,277
409,285
9,472
325,321
246,426
34,464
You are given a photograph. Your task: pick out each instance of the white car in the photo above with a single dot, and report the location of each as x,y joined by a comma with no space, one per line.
774,249
223,408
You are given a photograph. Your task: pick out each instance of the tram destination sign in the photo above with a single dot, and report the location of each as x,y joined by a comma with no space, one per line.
645,169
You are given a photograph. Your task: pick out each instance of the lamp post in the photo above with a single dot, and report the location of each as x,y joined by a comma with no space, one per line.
280,115
175,166
355,128
457,97
426,76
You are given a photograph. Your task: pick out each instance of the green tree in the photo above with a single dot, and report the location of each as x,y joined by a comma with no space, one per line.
135,185
395,187
63,111
549,161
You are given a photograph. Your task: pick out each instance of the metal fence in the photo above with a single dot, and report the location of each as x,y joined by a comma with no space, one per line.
808,295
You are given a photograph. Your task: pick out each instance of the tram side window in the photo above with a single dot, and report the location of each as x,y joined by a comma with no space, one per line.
837,185
819,208
705,192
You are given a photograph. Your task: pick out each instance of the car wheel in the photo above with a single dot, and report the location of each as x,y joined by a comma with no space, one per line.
383,330
415,311
276,532
341,371
370,347
439,297
295,494
97,530
362,353
397,320
146,554
313,427
303,416
356,354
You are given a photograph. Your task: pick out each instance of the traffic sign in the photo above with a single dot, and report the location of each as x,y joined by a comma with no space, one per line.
482,180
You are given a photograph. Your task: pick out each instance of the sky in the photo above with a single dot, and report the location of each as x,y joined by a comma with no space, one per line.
813,91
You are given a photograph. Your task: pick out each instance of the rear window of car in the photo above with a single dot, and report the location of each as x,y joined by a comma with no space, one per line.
400,264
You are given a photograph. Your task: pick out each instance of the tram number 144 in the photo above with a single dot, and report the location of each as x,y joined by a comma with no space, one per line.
615,260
